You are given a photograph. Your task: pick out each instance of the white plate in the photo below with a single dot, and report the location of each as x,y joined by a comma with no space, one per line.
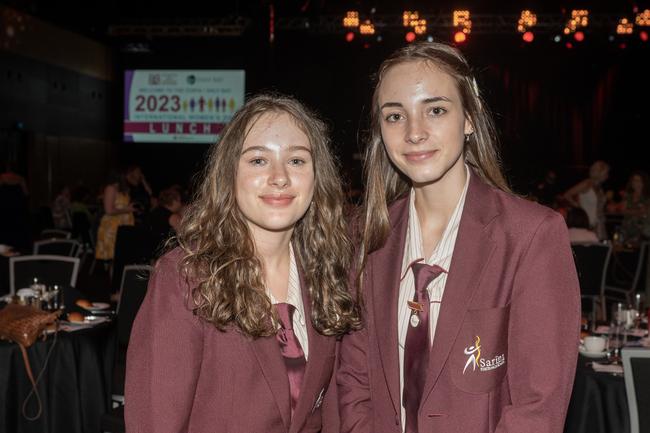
583,351
99,306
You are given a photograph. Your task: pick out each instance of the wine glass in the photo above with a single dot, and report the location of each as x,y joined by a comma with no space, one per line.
615,328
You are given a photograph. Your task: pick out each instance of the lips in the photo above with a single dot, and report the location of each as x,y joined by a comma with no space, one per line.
420,156
277,200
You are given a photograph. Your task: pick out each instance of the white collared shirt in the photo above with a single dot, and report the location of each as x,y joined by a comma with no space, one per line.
294,297
413,250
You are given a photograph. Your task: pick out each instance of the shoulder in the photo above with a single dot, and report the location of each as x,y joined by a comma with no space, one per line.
519,216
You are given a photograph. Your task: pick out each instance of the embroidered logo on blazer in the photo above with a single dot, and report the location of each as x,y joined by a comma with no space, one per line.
474,359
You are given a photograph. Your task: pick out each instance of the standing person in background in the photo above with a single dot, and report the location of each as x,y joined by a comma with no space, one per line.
164,220
118,211
139,191
465,286
61,209
589,195
238,330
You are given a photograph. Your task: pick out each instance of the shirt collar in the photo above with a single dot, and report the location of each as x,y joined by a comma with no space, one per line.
294,293
414,236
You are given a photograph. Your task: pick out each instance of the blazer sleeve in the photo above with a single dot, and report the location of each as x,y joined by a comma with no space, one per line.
355,408
544,332
164,356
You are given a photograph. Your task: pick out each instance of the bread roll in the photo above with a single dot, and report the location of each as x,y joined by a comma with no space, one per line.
84,303
75,317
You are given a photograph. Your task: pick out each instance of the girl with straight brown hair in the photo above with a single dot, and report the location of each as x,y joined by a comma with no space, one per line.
469,293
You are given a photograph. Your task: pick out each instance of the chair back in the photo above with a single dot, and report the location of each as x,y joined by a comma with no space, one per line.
133,289
592,262
58,247
55,234
636,365
132,246
49,269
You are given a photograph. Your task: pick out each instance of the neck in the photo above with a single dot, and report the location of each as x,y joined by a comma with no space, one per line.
272,248
436,201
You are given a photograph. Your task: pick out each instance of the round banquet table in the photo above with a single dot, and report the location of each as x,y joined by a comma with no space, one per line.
75,387
598,402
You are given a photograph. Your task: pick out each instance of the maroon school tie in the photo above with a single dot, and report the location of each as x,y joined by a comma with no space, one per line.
416,348
294,357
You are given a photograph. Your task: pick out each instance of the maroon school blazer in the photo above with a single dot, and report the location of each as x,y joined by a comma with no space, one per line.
185,376
513,284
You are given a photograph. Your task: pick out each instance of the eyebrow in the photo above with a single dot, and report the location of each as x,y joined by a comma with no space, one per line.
424,101
266,149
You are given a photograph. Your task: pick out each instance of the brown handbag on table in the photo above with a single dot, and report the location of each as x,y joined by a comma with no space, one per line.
23,324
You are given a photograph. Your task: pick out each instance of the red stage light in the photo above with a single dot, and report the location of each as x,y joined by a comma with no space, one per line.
643,35
622,45
410,37
460,37
528,37
349,36
579,36
569,45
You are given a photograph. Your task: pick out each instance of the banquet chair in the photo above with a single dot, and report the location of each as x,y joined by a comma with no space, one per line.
592,261
133,289
625,289
636,365
55,234
48,269
132,246
58,247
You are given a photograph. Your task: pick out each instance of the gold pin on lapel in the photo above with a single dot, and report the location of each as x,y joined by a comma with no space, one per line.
415,307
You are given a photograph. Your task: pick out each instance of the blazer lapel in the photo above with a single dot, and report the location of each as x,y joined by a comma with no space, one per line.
321,350
472,251
385,267
271,362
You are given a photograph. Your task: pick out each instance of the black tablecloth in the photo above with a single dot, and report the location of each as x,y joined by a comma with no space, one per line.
598,402
74,389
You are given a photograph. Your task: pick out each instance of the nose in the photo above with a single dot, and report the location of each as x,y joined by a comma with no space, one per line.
279,177
415,132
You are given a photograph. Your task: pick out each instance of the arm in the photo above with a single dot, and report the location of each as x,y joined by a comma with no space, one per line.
164,357
543,333
355,406
571,195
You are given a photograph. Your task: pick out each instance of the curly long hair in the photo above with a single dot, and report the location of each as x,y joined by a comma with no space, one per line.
384,183
226,275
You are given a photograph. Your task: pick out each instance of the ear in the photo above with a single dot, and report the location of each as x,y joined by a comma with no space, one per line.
468,129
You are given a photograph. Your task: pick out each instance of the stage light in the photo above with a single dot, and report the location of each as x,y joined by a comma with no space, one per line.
579,36
528,36
622,45
643,18
460,37
611,38
409,16
420,26
568,45
557,38
380,38
579,18
624,27
429,38
527,20
367,28
410,37
463,23
643,35
351,19
349,36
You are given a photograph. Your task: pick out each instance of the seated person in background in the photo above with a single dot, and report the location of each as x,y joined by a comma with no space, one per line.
635,208
164,220
578,222
61,209
589,195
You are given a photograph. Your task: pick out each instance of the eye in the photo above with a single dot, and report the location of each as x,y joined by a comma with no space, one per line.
437,111
393,117
297,161
257,161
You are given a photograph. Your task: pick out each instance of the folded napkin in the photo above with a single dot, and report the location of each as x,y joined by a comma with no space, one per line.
607,368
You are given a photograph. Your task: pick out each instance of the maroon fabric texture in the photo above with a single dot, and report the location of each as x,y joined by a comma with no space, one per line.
511,290
294,357
185,375
417,345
